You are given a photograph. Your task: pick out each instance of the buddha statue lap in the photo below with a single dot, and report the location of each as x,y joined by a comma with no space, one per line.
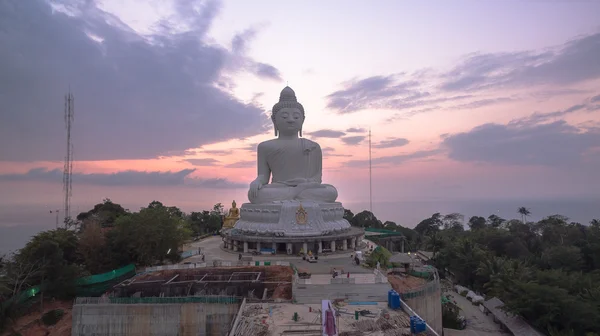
293,166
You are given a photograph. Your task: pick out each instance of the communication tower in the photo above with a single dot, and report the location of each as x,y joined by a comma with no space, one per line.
370,176
68,169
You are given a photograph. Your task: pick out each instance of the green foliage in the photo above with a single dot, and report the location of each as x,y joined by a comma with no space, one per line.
381,255
151,235
548,272
204,222
52,317
451,316
105,213
366,219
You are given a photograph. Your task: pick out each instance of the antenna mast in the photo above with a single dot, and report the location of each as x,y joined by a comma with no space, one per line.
68,169
370,176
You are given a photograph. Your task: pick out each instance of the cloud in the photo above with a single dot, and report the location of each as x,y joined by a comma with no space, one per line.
547,94
136,96
425,90
588,105
555,144
125,178
239,61
395,92
379,92
389,143
242,164
392,159
353,140
573,62
252,147
355,130
217,151
482,103
202,162
327,133
331,152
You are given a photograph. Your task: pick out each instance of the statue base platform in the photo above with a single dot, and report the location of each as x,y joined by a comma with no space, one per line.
292,219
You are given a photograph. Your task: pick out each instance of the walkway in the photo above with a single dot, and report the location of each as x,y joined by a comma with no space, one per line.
478,324
211,248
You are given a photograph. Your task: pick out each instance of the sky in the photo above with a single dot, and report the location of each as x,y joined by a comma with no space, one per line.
467,101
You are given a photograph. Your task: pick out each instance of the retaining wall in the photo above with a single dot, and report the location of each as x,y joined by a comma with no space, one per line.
426,301
153,319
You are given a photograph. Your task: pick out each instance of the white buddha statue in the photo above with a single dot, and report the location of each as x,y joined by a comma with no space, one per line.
294,163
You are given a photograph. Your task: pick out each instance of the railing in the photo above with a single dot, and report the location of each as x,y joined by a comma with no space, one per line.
216,263
159,300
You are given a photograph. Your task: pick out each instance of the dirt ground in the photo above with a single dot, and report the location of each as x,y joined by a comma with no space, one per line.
403,283
31,325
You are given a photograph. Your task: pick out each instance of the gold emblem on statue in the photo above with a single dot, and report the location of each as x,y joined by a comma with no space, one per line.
301,215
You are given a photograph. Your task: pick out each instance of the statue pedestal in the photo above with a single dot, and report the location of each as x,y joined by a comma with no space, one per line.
292,219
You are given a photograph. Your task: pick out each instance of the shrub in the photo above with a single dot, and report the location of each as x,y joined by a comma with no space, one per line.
52,317
381,255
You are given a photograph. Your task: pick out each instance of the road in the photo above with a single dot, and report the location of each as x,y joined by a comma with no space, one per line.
477,322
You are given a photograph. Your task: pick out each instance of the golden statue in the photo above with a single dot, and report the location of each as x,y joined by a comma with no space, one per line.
232,216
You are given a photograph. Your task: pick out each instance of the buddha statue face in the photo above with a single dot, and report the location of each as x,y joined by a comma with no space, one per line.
288,121
233,204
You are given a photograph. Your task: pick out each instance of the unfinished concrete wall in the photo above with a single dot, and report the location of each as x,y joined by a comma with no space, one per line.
304,293
160,319
426,301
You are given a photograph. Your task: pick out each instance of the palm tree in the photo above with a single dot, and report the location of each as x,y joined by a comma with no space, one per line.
524,213
435,242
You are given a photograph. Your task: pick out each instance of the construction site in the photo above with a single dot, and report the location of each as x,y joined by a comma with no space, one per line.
256,301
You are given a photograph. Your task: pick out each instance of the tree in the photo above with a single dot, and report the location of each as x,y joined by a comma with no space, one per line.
105,213
434,242
150,235
476,223
495,221
366,219
453,221
524,213
348,215
93,247
430,225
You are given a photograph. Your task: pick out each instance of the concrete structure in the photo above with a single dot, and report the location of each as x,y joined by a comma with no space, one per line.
426,301
358,287
290,208
163,317
514,324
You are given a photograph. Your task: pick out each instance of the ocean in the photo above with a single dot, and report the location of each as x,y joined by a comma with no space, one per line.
19,223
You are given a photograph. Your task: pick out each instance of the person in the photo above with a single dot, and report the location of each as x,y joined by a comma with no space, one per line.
293,164
240,256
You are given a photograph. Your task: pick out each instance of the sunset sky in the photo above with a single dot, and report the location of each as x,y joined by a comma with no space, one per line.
466,100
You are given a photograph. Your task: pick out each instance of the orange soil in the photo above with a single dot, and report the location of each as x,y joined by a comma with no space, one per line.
404,283
31,325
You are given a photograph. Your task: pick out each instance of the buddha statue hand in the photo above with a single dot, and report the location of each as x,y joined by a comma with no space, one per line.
255,186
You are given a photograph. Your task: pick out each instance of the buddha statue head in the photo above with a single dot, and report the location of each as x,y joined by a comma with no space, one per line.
288,114
233,204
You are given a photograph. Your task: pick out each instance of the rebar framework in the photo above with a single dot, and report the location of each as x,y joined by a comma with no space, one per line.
68,167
